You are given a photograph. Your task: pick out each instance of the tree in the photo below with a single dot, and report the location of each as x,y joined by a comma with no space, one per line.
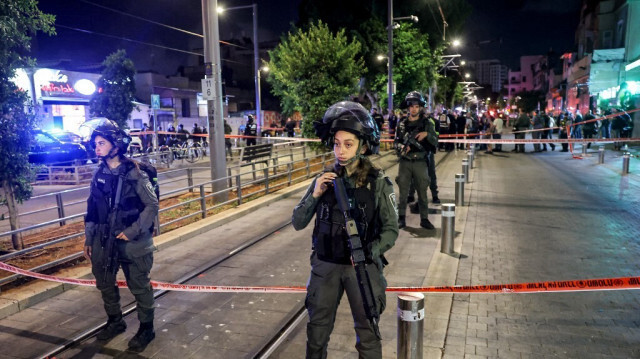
115,100
415,66
311,69
530,100
18,20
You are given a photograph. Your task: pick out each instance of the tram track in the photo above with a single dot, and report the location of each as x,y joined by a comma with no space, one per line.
264,349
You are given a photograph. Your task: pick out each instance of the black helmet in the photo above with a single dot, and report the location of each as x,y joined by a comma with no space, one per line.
352,117
111,132
411,98
250,118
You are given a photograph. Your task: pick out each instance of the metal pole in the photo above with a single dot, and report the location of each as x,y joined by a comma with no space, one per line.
390,56
470,159
410,325
61,206
465,170
625,163
190,179
256,60
584,148
213,70
448,227
601,154
203,202
460,189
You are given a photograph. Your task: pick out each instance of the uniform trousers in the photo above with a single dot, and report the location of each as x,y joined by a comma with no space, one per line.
136,272
415,171
327,282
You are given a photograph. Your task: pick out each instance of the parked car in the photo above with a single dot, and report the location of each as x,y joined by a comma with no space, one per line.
66,136
46,149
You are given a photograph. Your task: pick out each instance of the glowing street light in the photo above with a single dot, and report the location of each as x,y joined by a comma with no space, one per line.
456,43
466,76
462,62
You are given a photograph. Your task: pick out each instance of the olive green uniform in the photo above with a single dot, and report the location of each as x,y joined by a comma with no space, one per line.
413,164
522,123
135,255
328,281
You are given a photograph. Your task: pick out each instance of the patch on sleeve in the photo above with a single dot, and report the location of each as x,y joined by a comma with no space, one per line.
392,199
149,187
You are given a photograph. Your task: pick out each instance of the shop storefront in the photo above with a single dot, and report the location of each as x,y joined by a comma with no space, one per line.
61,97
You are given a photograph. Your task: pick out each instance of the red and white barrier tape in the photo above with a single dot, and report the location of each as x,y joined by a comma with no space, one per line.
553,140
584,285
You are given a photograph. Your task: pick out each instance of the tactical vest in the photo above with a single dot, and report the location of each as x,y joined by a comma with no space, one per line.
330,239
101,202
443,119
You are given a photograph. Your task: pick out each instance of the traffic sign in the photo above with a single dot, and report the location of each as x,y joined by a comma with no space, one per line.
207,89
155,101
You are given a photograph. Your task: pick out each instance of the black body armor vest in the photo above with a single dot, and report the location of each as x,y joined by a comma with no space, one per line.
101,202
330,239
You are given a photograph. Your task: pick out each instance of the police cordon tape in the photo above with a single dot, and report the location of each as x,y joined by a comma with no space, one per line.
584,285
553,140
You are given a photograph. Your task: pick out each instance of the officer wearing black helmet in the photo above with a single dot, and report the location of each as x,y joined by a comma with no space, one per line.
121,204
251,129
415,138
352,133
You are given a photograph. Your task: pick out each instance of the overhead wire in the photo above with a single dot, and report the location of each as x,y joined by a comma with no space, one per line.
435,19
140,42
156,22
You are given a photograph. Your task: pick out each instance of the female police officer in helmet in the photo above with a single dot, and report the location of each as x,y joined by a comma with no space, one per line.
121,209
348,128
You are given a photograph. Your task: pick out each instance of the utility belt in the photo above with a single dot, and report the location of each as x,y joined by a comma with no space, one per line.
345,261
415,156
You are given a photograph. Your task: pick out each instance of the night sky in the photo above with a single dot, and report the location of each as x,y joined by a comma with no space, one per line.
525,27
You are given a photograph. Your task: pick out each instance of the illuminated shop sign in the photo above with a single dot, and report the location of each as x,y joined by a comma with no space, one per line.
67,84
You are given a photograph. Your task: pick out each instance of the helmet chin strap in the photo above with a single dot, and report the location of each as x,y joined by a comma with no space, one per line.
113,153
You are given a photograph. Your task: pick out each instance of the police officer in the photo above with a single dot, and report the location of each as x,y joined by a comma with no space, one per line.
251,129
122,204
522,123
415,136
445,125
348,128
377,118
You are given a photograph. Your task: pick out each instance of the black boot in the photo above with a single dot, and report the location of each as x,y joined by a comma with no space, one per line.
435,198
410,199
425,223
143,337
401,222
115,325
414,208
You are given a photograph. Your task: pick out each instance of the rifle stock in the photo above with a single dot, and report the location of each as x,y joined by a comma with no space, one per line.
358,257
109,245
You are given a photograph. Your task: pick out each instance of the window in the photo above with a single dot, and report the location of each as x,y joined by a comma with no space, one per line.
620,34
524,78
186,109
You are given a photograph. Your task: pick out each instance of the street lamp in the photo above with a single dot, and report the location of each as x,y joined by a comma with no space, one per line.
390,24
261,70
456,43
256,54
466,76
462,62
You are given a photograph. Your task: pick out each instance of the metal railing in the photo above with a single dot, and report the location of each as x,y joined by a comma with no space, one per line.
284,174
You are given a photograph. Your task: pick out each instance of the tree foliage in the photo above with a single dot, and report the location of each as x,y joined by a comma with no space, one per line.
312,69
115,100
415,66
529,100
19,20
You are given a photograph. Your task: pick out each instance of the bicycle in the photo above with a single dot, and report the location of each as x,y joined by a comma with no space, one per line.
189,151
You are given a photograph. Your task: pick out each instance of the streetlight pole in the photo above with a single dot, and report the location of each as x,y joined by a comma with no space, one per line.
256,57
214,107
390,56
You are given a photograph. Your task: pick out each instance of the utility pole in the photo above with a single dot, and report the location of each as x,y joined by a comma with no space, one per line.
213,71
390,56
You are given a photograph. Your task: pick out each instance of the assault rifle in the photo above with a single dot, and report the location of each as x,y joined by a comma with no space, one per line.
358,258
409,140
109,245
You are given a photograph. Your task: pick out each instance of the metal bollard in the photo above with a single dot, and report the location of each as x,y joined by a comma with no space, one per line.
190,179
584,148
465,169
448,227
601,154
460,189
470,159
625,163
410,325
